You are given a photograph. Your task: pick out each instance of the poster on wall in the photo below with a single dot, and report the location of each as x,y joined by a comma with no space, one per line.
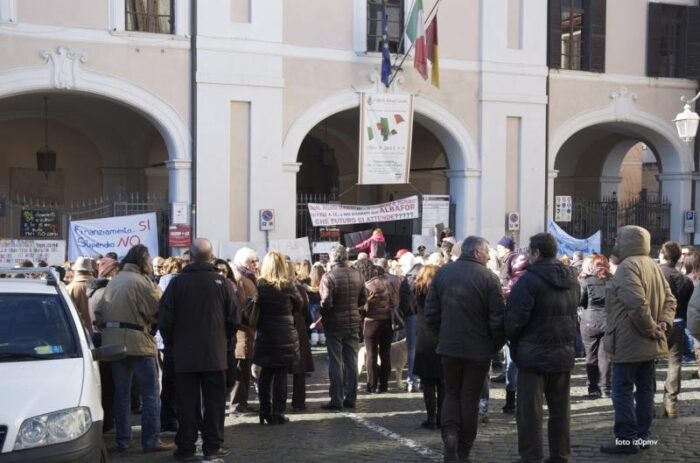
436,210
13,252
97,237
39,224
345,214
386,130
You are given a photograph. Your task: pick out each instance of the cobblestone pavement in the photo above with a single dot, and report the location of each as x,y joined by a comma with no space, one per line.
386,428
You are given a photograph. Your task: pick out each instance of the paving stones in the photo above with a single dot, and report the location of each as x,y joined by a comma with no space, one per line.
386,428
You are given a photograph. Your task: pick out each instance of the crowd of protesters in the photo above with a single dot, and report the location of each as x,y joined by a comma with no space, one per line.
195,327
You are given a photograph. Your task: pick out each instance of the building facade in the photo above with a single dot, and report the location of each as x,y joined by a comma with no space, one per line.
256,106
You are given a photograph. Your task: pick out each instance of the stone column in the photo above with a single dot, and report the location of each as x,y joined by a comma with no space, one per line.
677,189
464,193
180,182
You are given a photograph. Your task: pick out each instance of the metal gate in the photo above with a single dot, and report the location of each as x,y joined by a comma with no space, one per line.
587,217
95,208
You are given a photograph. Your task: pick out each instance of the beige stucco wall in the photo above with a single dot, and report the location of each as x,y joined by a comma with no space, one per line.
308,82
626,37
91,14
163,72
330,26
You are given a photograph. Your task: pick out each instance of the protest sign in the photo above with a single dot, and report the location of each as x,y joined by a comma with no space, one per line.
386,129
228,249
343,214
297,249
322,247
97,237
436,210
13,252
568,244
39,224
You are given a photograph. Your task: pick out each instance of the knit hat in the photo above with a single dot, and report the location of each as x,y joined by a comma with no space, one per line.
401,252
507,242
83,264
107,265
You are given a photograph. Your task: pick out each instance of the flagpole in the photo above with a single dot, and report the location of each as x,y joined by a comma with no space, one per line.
412,43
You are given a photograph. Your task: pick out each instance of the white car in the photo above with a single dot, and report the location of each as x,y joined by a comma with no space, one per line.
50,409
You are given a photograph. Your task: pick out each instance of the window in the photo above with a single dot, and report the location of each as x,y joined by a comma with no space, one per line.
34,326
673,41
395,24
571,34
577,35
150,16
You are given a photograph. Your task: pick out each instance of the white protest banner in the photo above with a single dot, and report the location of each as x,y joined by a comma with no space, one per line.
97,237
343,214
436,209
567,244
322,247
297,249
386,129
13,252
228,249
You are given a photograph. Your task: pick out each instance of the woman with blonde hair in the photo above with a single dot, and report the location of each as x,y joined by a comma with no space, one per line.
427,364
277,341
302,319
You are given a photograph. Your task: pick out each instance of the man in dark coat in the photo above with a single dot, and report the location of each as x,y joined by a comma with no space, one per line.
342,292
464,307
682,289
197,319
540,322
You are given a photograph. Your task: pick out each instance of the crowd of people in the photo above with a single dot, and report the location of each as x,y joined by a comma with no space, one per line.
195,327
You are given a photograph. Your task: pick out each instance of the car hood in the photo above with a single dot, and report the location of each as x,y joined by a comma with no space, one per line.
36,387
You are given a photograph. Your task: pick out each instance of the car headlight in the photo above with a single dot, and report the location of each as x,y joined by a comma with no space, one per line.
53,428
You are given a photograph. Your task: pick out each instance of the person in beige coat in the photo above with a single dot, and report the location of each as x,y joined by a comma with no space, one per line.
78,289
125,315
245,266
640,309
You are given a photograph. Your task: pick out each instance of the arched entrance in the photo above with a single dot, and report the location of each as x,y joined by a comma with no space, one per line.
449,163
113,140
622,171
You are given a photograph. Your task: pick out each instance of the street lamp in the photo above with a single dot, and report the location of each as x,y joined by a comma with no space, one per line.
687,121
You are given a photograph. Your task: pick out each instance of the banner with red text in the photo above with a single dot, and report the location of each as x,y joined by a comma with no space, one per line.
97,237
344,214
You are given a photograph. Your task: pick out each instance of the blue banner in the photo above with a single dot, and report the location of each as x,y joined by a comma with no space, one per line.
568,244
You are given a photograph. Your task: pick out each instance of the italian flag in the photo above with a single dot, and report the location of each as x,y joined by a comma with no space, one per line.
415,30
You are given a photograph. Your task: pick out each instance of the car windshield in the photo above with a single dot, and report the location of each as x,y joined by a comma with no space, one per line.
34,327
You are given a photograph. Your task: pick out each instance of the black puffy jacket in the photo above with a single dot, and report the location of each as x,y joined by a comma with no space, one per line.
540,318
464,307
592,300
277,341
343,292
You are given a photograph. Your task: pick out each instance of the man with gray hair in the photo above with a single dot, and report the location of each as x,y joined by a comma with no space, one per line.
464,307
197,319
342,294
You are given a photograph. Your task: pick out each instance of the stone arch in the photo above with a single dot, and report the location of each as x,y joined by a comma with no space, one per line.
63,72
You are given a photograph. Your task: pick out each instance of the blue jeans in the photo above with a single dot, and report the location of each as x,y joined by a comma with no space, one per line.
511,370
315,309
146,371
484,399
633,420
411,323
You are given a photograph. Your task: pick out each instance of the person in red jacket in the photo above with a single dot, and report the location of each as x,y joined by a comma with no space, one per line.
375,244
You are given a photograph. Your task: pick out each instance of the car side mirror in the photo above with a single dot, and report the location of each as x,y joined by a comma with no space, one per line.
109,353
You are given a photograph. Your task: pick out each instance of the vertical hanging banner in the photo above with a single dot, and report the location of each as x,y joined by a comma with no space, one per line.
386,130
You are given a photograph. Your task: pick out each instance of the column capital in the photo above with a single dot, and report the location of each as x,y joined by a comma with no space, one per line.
676,176
178,164
464,173
291,167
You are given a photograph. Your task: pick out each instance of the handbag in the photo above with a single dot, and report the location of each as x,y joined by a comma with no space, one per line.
251,312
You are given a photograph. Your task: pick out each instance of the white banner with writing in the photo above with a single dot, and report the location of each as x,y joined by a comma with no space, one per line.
386,129
97,237
13,252
344,214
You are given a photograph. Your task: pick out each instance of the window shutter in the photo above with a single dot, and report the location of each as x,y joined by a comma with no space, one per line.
554,34
593,47
692,51
655,33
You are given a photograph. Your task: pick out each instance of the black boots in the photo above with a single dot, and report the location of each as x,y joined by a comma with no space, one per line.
509,407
